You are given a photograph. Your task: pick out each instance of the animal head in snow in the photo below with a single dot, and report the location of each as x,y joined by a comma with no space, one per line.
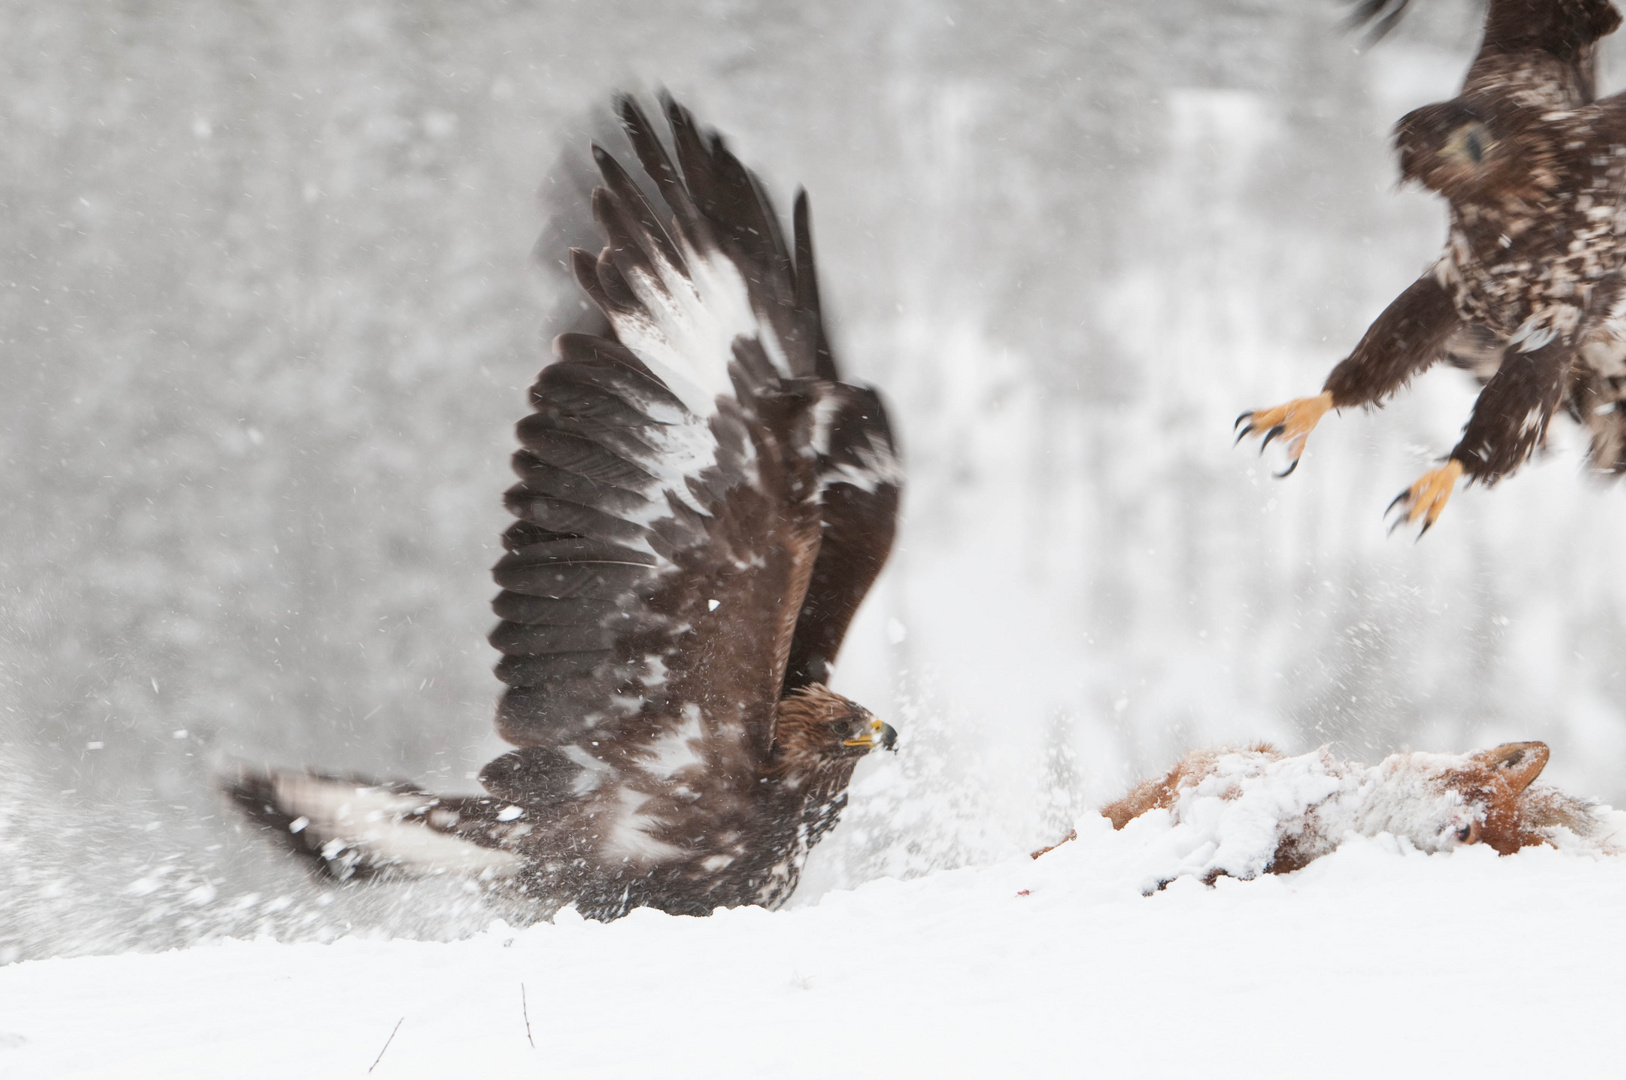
702,504
1439,801
1251,811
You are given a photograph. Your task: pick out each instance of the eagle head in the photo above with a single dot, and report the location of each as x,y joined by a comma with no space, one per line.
815,726
1453,147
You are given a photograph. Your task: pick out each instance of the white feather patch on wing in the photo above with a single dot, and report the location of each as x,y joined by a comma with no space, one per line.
593,771
383,824
683,450
627,837
676,750
877,465
686,330
877,469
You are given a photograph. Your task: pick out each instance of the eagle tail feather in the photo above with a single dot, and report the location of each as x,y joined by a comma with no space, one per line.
349,827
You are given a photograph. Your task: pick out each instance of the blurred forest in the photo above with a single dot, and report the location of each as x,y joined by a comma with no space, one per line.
268,309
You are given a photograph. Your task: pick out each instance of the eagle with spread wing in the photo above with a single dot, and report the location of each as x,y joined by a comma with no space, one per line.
702,504
1527,293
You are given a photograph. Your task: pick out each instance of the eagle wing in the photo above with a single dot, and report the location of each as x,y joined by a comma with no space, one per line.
859,472
860,477
1540,51
668,509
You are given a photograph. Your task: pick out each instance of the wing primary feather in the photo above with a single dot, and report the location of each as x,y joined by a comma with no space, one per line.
632,250
529,672
658,165
576,484
590,349
585,267
632,201
546,611
609,274
582,459
1379,16
723,191
533,639
807,288
569,518
568,581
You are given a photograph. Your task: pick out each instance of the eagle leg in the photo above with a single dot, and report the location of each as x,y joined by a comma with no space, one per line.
1426,498
1293,422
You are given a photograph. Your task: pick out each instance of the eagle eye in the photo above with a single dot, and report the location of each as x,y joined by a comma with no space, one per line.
1475,146
843,728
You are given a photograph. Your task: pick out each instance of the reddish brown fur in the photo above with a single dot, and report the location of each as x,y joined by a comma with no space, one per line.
1159,794
1498,779
1072,834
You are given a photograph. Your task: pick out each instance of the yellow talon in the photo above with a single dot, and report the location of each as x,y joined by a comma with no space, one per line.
1426,498
1292,422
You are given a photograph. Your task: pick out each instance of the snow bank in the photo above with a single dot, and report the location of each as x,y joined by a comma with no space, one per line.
1372,960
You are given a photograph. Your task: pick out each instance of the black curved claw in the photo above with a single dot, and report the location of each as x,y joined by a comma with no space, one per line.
1271,434
1289,470
1245,416
1404,501
1243,434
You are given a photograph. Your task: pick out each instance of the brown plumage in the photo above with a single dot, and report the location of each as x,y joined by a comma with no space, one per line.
1526,291
702,505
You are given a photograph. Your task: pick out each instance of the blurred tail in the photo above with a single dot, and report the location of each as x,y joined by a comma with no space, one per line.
350,827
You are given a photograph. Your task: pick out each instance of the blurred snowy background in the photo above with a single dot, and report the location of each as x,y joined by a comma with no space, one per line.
268,313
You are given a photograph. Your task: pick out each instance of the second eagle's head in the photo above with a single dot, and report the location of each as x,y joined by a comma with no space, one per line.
1467,149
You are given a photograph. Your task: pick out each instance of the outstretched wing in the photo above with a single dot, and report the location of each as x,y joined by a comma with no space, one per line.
667,507
860,480
859,472
1542,52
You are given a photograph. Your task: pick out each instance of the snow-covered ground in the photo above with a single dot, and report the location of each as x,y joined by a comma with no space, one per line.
1375,960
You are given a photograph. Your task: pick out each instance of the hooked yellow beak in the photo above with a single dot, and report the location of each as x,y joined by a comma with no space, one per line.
878,733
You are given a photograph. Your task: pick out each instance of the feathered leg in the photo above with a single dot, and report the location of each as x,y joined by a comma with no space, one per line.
1596,390
1407,338
1508,423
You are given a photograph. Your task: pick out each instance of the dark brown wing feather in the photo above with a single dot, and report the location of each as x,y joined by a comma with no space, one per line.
668,505
860,486
860,481
623,605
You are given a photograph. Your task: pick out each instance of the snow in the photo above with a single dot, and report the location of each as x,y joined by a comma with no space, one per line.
1376,959
269,276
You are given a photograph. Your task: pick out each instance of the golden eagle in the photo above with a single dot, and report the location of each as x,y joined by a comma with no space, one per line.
702,505
1527,290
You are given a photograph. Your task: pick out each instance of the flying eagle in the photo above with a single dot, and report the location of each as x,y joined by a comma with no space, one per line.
1527,290
702,505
